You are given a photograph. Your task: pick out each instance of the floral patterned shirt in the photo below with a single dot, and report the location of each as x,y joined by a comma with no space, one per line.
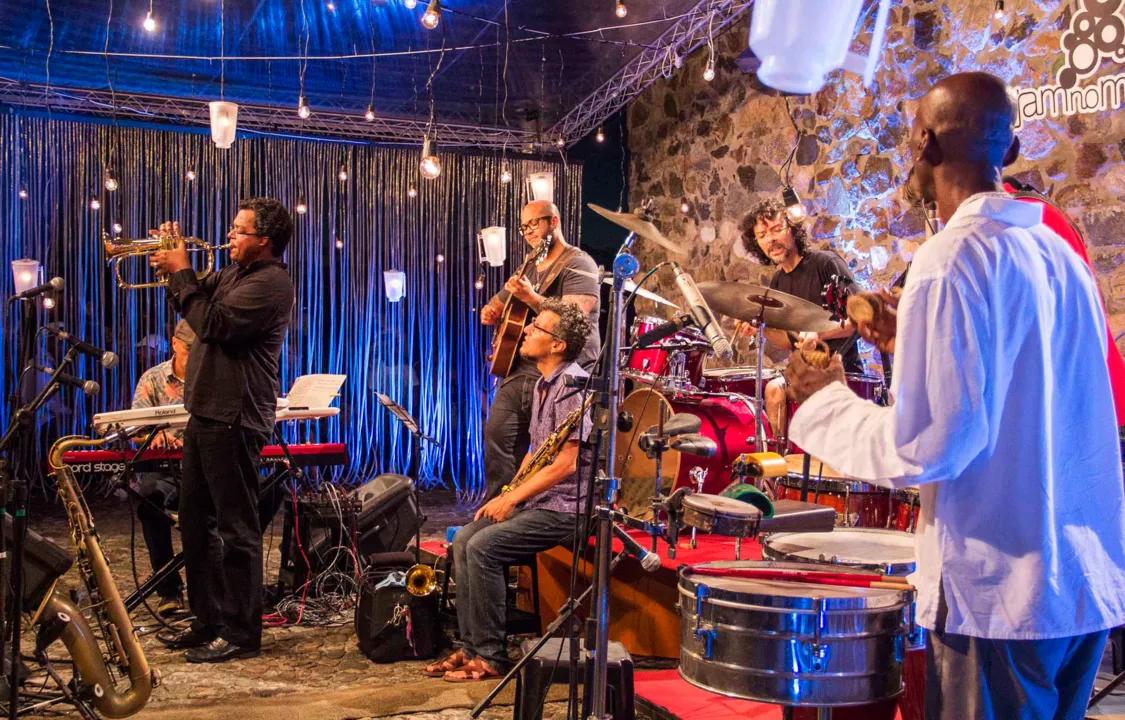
160,386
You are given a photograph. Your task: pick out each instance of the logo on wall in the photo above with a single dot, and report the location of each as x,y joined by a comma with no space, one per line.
1096,33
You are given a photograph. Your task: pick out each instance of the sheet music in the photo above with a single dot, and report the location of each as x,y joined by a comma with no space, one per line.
315,391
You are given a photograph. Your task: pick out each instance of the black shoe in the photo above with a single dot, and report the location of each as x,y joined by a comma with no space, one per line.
183,639
170,605
219,650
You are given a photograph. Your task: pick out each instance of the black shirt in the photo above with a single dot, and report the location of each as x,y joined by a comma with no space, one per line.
568,282
807,280
240,317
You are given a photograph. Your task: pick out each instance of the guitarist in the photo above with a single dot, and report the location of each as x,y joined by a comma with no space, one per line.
506,431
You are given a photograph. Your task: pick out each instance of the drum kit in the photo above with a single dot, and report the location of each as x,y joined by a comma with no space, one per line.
827,619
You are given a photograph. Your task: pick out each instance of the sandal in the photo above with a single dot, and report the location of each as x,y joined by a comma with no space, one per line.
452,662
473,671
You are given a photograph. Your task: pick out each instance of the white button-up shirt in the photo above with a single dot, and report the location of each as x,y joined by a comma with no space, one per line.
1004,416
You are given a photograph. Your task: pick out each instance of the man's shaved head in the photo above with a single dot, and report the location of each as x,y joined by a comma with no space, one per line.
962,133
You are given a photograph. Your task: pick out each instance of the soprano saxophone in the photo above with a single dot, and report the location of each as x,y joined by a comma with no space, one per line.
59,617
546,453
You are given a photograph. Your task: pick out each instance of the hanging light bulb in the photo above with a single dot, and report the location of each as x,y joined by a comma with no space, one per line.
110,182
191,175
302,208
600,136
561,141
369,116
303,108
410,4
430,165
621,11
48,303
117,228
23,194
479,284
685,208
793,207
432,16
440,257
343,174
331,6
411,192
149,23
95,204
339,244
709,71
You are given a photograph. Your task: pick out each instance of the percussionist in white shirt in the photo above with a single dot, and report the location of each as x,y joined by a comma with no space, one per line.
1004,417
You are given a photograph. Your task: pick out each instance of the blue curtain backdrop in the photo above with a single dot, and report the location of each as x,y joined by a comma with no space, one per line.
426,352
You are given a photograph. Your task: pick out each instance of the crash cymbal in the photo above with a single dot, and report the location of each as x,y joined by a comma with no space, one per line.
747,302
630,286
633,223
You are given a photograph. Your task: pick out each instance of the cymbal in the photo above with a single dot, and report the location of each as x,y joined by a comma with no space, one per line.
630,286
747,302
633,223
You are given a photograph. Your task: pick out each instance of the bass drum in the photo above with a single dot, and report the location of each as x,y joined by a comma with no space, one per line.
729,421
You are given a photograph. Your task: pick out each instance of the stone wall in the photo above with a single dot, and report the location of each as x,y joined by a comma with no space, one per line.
719,146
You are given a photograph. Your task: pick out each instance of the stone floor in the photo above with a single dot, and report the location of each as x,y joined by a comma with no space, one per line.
296,661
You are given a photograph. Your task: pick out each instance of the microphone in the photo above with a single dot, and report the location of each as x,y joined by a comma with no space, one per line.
662,331
106,358
650,561
695,444
87,386
53,284
702,314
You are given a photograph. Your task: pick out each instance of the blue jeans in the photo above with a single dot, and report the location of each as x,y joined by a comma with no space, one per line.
482,550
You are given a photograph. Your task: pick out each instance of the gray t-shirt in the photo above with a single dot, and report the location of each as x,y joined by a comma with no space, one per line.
568,283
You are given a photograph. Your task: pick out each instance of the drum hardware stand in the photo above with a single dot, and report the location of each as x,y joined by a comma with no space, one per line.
699,475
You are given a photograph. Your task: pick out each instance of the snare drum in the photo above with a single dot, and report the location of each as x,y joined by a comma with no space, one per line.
857,504
720,515
741,380
790,643
887,551
680,368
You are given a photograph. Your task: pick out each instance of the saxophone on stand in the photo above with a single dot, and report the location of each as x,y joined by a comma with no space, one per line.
58,617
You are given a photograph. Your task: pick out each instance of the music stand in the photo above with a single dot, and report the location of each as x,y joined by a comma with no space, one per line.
417,437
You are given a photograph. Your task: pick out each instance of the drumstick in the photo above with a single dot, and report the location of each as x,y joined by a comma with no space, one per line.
821,580
783,574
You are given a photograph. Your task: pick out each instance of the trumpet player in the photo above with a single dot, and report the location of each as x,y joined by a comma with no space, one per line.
240,316
535,514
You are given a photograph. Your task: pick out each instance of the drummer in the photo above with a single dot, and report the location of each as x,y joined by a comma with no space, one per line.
769,234
1004,401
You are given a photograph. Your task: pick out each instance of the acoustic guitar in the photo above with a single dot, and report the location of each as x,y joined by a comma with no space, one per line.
509,331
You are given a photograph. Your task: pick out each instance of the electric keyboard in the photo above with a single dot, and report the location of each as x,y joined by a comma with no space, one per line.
176,417
111,462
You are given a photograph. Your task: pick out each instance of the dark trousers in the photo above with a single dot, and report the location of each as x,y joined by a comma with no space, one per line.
221,531
160,492
507,431
969,677
482,550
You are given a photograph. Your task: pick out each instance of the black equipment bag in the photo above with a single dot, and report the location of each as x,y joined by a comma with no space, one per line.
390,623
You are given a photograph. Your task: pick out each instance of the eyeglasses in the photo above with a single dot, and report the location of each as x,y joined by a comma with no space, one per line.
236,231
772,231
533,223
542,329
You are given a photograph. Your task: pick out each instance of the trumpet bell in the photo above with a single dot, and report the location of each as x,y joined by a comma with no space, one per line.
421,580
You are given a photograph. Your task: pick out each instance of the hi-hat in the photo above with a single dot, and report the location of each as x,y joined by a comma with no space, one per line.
640,226
747,302
630,287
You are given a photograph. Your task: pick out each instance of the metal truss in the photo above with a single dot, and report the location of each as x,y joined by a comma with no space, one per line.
659,59
262,118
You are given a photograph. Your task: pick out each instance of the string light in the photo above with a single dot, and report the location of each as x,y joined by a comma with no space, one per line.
440,258
95,204
621,11
110,182
1000,13
505,175
117,228
411,192
23,194
149,24
479,284
339,244
302,208
411,4
303,108
369,116
432,16
430,165
343,174
191,175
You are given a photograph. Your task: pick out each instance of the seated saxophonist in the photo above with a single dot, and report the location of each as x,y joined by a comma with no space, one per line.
536,510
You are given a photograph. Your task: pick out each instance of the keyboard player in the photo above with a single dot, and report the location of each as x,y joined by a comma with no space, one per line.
163,384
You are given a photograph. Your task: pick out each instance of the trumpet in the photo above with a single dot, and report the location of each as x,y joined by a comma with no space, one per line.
118,249
421,580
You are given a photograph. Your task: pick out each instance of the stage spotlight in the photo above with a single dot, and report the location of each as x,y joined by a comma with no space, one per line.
432,16
793,207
